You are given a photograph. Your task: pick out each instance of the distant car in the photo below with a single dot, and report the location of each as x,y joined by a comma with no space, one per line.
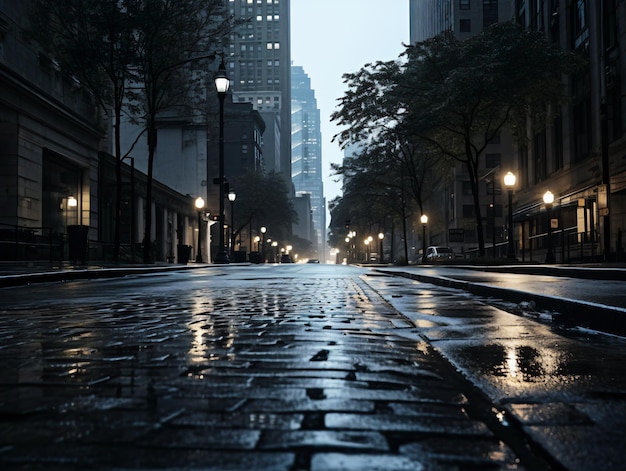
313,260
438,253
285,258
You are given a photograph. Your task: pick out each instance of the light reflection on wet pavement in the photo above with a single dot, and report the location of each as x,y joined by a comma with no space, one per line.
554,381
238,368
296,368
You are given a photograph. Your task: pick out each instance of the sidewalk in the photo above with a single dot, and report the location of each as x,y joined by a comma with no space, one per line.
588,296
24,273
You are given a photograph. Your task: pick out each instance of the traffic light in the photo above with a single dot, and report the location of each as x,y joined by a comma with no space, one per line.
347,224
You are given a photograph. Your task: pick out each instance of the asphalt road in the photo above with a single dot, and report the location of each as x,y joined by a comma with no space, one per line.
299,367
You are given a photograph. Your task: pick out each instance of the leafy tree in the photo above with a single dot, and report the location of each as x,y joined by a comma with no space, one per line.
372,114
142,57
376,191
175,43
262,199
458,95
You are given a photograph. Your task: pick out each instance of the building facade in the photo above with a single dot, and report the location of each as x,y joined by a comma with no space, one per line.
306,154
50,136
579,155
259,66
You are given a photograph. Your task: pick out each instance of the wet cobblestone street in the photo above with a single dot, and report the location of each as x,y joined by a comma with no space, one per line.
268,368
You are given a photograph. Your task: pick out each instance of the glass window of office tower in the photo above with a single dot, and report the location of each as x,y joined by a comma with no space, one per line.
464,4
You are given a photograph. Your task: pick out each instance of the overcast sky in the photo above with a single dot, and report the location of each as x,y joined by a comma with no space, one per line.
331,37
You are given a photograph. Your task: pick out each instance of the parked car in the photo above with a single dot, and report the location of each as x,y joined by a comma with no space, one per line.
438,253
285,258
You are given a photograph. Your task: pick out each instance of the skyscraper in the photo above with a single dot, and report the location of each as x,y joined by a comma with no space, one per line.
259,68
306,153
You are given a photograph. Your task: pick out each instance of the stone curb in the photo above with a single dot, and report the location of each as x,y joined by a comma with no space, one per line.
571,312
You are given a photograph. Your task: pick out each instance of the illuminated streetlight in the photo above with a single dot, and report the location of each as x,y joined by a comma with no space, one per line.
548,199
199,206
232,196
222,84
424,221
509,183
381,236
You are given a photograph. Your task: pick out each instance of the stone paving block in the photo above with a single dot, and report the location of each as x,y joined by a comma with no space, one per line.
285,440
207,438
370,462
462,453
308,405
245,420
409,394
426,409
392,422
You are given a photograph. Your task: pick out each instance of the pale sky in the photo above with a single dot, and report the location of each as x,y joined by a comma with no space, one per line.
331,37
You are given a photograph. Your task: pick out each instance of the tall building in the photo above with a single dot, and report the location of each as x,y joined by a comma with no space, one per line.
463,17
259,68
578,155
50,135
306,152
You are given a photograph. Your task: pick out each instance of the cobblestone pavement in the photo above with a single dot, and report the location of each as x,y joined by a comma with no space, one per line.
237,368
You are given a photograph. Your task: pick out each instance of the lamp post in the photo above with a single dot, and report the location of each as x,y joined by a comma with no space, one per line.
381,236
424,221
72,202
222,84
548,199
263,231
367,249
232,196
509,183
199,206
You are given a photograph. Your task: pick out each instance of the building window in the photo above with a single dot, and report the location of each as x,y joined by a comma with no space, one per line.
490,12
580,24
465,26
464,4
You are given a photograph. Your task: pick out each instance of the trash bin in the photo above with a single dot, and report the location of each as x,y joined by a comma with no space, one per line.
240,256
77,243
183,253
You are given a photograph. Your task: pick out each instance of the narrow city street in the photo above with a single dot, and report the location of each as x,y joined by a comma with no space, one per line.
299,367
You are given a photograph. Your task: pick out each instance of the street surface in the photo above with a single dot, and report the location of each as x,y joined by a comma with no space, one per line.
299,367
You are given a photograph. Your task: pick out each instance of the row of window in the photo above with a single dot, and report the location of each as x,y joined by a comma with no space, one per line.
250,47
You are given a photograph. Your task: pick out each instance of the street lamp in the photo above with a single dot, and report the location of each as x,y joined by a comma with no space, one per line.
381,236
263,231
222,83
199,206
424,221
72,202
232,196
367,251
548,199
509,183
